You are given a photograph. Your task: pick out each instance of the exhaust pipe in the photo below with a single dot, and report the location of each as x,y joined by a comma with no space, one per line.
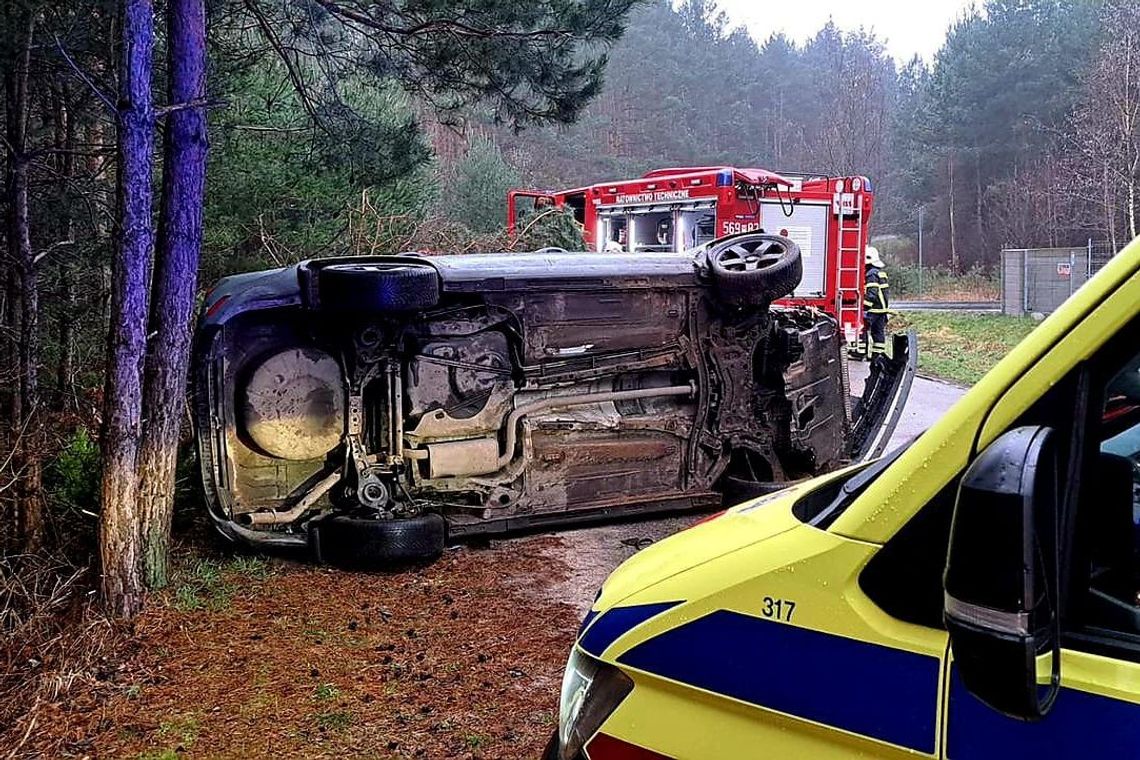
275,517
481,456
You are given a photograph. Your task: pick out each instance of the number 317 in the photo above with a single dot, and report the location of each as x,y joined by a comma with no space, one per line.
779,609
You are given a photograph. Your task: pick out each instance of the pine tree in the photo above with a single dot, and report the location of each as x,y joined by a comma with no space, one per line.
480,187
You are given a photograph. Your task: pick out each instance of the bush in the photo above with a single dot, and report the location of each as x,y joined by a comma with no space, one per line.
940,284
552,228
370,233
71,479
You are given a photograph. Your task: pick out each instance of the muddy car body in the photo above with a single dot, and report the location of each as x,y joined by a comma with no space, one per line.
371,407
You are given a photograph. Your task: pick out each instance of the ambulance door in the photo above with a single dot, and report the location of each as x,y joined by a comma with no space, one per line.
1097,710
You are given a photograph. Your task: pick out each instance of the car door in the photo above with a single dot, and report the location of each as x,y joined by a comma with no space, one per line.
1097,711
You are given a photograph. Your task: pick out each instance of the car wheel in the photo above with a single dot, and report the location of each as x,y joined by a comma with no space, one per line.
739,490
360,542
754,269
378,286
749,475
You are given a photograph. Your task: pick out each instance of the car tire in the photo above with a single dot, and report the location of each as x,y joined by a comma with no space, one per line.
404,286
754,269
736,490
363,543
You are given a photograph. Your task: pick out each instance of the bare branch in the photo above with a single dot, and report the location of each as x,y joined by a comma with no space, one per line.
290,67
437,26
86,79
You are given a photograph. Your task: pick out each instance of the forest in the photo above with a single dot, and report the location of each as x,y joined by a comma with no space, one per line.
150,149
1023,129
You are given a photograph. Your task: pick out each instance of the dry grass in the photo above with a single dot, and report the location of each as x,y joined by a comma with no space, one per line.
54,646
942,285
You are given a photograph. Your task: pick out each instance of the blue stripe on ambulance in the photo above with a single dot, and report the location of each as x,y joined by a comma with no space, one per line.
616,622
864,688
1079,725
586,622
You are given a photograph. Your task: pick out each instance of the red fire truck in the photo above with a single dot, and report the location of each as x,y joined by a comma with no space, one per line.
682,208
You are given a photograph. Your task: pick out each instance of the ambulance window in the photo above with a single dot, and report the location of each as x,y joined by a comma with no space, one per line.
904,577
1109,511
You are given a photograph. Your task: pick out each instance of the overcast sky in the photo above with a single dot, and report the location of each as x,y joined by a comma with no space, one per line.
917,26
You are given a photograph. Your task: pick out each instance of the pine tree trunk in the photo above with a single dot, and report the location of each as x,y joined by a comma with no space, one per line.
25,399
175,279
979,216
119,532
65,369
953,236
65,366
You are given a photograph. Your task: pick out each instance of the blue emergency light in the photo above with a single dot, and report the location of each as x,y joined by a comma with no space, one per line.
724,178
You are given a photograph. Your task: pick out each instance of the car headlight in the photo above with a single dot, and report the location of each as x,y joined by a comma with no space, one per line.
591,691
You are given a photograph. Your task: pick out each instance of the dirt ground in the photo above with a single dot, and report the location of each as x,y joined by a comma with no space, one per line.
252,657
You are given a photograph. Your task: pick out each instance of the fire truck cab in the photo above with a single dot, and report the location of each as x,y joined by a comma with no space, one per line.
682,208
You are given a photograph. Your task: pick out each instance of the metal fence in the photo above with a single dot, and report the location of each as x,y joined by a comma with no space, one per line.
1039,280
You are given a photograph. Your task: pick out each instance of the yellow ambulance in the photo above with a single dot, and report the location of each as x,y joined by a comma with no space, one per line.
976,593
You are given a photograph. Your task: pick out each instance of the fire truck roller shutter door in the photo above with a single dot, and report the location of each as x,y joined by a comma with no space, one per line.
807,227
697,227
646,223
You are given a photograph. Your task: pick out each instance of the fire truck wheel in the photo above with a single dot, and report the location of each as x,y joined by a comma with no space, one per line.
754,269
378,286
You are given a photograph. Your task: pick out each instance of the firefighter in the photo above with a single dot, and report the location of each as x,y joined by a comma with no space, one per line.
876,306
665,233
617,246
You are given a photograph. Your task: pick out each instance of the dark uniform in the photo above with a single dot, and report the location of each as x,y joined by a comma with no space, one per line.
876,307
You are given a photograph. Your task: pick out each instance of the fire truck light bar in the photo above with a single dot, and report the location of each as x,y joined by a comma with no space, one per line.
724,178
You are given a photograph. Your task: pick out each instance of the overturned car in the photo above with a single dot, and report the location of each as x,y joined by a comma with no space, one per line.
373,408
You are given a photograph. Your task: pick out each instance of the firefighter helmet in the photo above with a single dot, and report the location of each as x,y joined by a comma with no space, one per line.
871,257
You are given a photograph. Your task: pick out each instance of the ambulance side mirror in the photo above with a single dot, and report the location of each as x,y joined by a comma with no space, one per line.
1001,580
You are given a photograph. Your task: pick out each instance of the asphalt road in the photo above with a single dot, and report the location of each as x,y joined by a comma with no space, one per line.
590,554
929,400
974,307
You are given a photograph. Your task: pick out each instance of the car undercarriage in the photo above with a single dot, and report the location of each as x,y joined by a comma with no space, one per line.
373,408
